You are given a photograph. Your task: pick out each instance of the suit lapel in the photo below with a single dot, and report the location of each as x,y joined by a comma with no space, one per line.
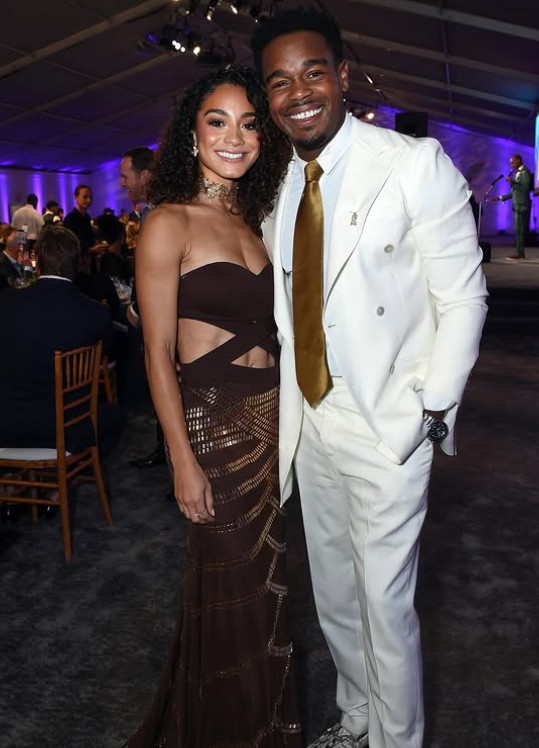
365,175
272,238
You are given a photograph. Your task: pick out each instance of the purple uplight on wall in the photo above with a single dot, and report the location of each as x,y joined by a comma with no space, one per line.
536,151
481,159
37,189
4,198
62,189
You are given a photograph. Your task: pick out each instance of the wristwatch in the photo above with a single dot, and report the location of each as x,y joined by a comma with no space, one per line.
437,430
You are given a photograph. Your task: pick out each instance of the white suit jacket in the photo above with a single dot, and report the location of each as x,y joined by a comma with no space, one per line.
404,294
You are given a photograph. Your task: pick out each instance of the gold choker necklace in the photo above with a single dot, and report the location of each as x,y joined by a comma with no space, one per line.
218,191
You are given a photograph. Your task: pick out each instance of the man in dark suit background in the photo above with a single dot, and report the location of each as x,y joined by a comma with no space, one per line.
135,174
521,182
50,315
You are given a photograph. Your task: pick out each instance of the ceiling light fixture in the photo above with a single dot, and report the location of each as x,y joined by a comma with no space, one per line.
368,77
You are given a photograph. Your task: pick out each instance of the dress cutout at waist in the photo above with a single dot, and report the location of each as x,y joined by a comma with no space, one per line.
232,298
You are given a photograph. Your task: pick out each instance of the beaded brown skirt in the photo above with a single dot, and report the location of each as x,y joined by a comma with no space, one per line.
230,681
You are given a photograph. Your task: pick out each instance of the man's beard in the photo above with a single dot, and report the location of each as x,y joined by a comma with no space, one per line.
312,143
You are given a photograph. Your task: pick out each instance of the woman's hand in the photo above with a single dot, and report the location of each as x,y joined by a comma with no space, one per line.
192,491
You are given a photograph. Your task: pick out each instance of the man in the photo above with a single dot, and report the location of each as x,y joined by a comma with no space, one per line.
51,213
135,213
380,301
50,315
79,222
28,216
520,180
10,268
135,172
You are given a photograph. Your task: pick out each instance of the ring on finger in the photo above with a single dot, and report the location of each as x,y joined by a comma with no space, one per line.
200,514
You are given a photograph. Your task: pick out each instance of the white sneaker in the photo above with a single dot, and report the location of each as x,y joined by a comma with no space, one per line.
339,737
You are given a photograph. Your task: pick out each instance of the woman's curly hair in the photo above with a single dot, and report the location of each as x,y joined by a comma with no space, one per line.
175,177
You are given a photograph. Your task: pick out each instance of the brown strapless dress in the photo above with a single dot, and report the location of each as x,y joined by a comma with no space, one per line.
229,682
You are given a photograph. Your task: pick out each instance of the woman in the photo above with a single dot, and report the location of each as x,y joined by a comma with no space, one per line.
205,294
131,234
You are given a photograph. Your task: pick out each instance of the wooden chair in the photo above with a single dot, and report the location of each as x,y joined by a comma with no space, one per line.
76,379
108,377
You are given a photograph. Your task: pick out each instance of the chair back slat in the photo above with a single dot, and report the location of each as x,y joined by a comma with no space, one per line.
76,375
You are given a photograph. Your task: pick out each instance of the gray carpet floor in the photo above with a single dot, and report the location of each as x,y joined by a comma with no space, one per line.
82,645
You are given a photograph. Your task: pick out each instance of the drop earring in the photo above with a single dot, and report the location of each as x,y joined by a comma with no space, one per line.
194,150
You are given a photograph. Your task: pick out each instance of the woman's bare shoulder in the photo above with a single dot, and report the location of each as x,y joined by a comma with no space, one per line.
167,214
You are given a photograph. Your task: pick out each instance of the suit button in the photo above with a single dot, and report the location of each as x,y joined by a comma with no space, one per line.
388,249
380,311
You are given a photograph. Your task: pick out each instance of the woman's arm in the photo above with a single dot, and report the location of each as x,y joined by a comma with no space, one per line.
158,262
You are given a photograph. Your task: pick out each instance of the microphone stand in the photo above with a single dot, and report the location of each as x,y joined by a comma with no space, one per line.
487,193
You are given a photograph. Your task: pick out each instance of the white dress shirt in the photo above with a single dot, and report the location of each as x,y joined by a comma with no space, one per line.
333,162
28,216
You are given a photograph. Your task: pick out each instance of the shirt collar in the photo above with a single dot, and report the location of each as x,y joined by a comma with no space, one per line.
10,258
334,150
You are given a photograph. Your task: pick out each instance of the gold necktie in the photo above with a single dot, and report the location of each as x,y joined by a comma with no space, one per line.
307,290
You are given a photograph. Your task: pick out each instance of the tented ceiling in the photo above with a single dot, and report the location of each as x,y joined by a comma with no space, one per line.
82,80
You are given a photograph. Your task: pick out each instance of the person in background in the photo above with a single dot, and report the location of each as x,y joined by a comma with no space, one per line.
380,302
132,231
52,314
124,218
30,217
51,212
112,231
136,212
10,269
80,223
61,213
520,181
135,173
100,288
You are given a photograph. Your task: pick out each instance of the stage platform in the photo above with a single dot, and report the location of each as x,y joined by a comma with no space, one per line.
503,273
513,288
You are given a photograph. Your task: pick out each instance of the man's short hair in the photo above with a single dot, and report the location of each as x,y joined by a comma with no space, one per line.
31,199
80,187
52,204
58,252
142,158
290,21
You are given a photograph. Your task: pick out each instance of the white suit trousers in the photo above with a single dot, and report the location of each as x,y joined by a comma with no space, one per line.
363,515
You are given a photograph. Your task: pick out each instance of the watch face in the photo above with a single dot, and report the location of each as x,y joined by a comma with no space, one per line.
437,431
